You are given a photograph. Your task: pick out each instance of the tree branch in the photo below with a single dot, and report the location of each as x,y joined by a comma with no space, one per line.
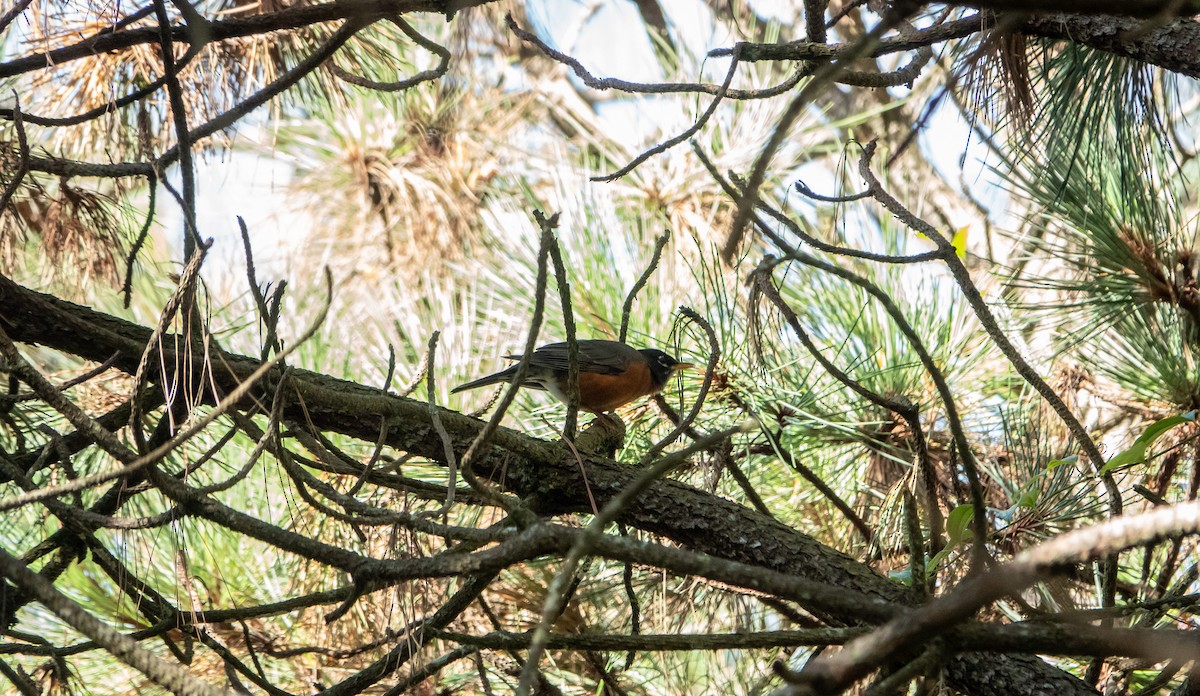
543,472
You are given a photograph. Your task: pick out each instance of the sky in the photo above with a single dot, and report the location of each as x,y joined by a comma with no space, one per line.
250,182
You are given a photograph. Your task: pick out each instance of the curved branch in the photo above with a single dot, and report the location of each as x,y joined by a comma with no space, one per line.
124,648
291,18
68,168
399,85
828,673
543,472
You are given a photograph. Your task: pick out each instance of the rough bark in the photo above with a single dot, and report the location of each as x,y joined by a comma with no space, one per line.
545,471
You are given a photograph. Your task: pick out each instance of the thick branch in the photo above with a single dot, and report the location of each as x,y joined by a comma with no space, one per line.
291,18
1173,46
543,471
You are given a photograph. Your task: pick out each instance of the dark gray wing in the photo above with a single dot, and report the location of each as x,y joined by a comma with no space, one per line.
595,355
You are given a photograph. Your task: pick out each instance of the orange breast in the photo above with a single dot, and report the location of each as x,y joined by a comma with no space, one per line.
599,393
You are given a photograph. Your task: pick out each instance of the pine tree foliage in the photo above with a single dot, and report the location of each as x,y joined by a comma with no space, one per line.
944,410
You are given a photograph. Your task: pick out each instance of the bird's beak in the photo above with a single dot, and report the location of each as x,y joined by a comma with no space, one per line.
678,367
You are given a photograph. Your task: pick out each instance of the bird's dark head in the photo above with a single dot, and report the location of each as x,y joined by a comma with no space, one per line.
662,366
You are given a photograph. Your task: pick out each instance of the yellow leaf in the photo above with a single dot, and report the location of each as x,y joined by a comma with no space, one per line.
959,242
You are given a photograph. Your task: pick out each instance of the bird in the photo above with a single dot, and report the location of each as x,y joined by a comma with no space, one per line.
611,373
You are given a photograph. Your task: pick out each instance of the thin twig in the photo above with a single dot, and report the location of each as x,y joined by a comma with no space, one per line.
683,136
418,633
556,593
803,189
735,193
187,171
114,105
607,83
484,437
436,416
124,648
73,382
400,85
832,672
14,12
17,177
635,609
568,311
216,124
268,319
108,442
143,235
627,307
714,357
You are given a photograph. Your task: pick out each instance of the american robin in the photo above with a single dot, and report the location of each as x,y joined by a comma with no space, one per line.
611,374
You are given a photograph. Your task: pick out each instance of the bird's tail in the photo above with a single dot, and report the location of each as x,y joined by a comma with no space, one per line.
494,378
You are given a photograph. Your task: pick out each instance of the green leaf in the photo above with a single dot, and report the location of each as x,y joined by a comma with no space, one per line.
957,529
932,564
1154,431
958,523
1054,464
1137,452
1028,499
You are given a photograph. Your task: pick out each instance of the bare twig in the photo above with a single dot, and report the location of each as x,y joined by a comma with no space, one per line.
124,648
684,135
68,384
143,235
131,462
847,52
608,83
832,672
111,106
564,298
266,317
627,307
18,176
485,434
556,593
735,193
400,85
187,171
435,416
803,189
214,125
12,13
819,82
